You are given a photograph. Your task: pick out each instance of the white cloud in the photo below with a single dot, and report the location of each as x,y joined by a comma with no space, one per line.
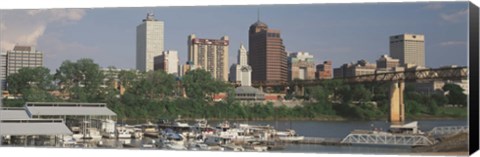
27,26
434,6
456,16
453,43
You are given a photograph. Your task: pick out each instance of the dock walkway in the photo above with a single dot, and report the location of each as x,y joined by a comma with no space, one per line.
321,141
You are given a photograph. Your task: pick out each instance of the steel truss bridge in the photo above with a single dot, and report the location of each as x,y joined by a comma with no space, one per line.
383,138
448,73
388,139
448,130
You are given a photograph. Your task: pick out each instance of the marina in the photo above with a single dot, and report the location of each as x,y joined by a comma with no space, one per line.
203,135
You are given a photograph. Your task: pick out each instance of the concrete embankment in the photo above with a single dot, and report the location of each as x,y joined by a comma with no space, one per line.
454,143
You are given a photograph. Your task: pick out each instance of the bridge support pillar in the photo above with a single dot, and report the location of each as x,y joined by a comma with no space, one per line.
397,107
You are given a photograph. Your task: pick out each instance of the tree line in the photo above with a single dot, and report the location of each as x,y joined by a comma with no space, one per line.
156,94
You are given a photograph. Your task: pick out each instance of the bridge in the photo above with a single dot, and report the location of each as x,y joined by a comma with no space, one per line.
384,138
448,130
448,73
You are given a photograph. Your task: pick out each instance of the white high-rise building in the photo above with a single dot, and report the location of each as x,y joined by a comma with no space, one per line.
241,72
149,42
408,48
167,61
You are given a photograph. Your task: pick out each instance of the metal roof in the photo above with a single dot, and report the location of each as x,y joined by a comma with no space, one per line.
33,127
68,109
10,113
247,90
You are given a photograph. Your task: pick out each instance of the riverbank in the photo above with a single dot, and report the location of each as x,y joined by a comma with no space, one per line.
320,119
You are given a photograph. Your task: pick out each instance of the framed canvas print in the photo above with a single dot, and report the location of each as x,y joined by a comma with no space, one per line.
273,79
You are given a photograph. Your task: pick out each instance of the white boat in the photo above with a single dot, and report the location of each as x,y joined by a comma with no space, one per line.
151,144
289,136
181,124
68,141
257,148
124,132
236,135
174,141
108,128
200,123
224,126
94,134
149,129
215,140
89,134
175,146
137,133
198,146
233,147
108,134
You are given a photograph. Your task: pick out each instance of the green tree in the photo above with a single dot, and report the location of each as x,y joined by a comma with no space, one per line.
155,85
199,84
455,94
81,79
128,78
27,78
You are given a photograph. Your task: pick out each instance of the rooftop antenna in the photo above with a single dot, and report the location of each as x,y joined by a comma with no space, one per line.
258,14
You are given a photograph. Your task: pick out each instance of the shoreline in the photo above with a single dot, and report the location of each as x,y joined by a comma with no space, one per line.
319,119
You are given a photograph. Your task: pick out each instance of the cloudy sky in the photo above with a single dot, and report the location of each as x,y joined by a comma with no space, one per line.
339,32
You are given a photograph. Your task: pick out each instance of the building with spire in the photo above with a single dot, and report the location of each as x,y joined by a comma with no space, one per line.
149,42
241,72
266,54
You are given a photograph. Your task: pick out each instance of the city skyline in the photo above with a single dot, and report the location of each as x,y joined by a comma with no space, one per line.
342,33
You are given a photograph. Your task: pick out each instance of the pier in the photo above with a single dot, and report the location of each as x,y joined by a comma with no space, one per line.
322,141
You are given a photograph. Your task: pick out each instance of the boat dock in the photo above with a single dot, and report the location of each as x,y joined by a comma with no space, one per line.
320,141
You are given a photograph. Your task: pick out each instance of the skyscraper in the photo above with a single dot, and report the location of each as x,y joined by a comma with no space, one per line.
3,66
23,56
267,54
149,42
209,54
241,72
167,61
408,48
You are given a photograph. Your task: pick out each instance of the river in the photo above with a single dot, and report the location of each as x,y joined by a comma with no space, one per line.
340,129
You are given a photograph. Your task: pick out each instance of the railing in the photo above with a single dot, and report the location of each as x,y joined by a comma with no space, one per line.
408,75
388,139
447,130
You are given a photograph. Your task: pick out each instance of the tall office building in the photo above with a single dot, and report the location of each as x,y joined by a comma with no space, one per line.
3,66
241,72
23,56
301,65
266,54
167,61
209,54
408,48
149,42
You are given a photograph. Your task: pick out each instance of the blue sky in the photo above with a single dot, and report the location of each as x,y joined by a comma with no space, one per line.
339,32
